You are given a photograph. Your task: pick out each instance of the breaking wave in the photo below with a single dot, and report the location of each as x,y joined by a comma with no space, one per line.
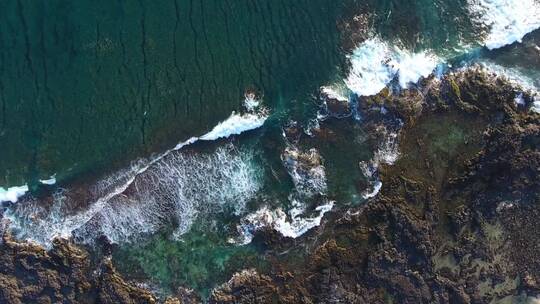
506,21
374,64
309,178
12,194
173,191
234,125
172,187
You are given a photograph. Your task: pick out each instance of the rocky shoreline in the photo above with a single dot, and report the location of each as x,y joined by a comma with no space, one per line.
454,221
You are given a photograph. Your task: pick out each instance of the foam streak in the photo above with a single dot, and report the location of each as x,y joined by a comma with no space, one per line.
507,21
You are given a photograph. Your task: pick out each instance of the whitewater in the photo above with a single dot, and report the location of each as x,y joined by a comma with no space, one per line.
169,182
506,21
375,64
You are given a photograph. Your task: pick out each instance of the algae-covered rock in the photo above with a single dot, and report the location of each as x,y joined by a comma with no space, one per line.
63,274
454,221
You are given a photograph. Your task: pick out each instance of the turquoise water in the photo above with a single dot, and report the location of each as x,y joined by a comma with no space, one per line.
200,260
88,87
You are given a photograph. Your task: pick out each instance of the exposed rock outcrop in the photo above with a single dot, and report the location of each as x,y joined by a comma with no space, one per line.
454,221
64,274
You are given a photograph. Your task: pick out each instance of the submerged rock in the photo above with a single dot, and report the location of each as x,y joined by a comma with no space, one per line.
454,221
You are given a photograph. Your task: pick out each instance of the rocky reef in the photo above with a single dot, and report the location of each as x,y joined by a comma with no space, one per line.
454,221
30,274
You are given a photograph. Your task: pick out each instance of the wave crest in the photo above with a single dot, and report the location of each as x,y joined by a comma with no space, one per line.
506,21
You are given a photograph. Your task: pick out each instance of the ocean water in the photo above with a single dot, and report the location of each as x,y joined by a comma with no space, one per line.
172,129
89,86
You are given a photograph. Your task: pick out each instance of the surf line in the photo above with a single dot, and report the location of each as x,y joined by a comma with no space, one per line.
235,124
12,194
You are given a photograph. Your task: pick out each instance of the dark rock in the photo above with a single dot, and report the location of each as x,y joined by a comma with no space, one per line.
31,274
454,221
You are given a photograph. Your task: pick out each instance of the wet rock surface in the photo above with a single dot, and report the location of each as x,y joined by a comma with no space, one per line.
454,222
64,274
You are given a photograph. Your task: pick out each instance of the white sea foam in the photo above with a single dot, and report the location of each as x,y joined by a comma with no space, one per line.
34,222
50,181
235,125
371,68
374,64
309,178
174,190
507,21
518,79
536,104
12,194
179,188
388,150
187,185
377,185
518,100
297,226
306,170
251,102
413,66
514,75
387,153
292,226
336,92
313,124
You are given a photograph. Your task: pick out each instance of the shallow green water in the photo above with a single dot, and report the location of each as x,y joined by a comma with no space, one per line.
89,86
199,261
